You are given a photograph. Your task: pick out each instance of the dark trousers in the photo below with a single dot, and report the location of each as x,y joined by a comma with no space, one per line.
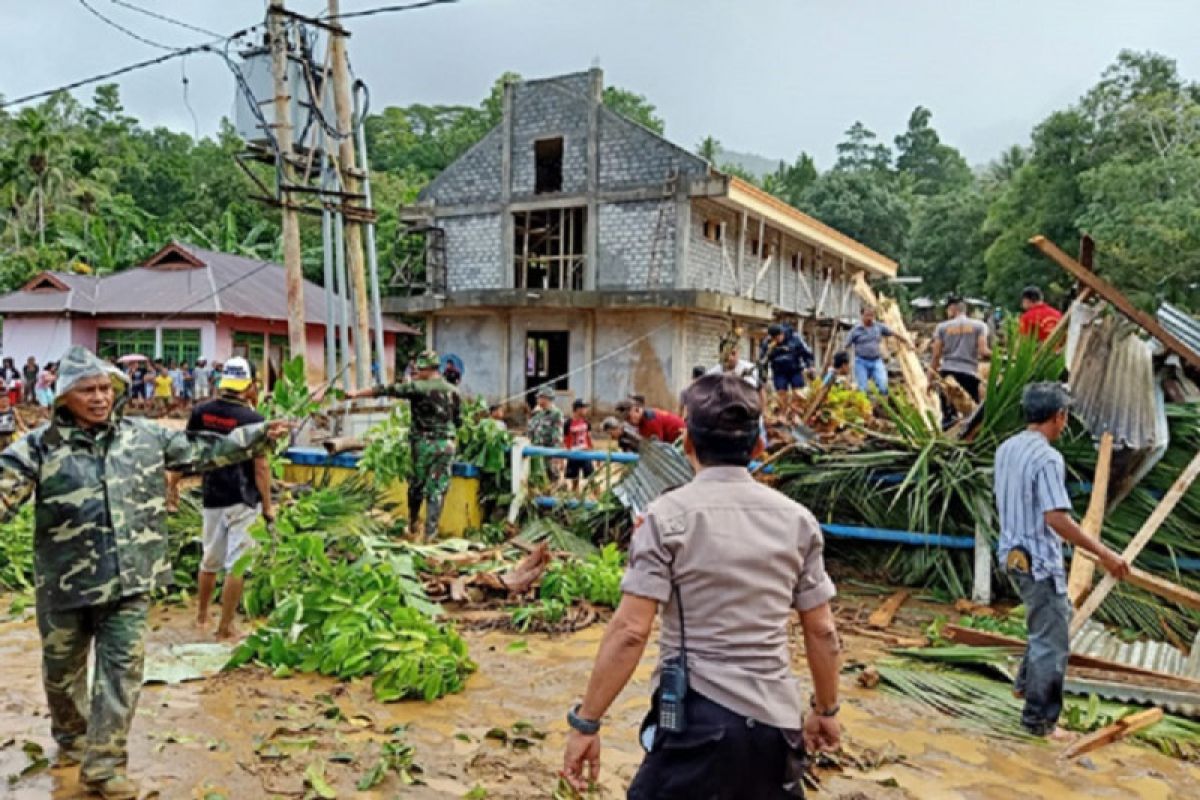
969,383
1040,679
721,756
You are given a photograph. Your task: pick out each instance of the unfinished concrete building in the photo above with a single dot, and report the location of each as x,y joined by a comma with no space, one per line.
573,245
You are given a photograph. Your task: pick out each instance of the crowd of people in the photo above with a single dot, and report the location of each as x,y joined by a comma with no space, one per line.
164,386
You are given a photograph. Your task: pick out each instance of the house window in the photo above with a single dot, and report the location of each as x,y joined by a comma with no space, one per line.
548,248
181,345
548,165
797,261
117,342
713,230
547,358
265,354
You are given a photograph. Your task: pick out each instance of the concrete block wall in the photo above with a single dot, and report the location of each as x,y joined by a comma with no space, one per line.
706,268
703,336
631,156
473,178
543,110
474,255
626,251
642,361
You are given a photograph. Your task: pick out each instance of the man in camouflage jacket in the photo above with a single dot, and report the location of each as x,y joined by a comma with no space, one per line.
436,414
546,428
100,548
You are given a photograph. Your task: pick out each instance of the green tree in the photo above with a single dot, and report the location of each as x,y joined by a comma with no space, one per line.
861,151
932,167
709,149
633,106
863,206
947,244
790,181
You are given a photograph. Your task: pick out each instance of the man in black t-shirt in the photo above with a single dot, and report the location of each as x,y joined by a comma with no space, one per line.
233,496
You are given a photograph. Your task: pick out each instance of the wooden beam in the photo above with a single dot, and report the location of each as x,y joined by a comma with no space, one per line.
882,617
1083,570
1154,584
1118,300
1149,528
1111,733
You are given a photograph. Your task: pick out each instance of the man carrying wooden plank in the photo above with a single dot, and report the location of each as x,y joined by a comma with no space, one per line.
1035,516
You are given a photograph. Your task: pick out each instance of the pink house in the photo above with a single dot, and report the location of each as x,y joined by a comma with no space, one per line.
184,303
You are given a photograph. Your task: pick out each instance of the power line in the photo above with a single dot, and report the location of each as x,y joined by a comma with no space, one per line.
123,29
165,18
390,9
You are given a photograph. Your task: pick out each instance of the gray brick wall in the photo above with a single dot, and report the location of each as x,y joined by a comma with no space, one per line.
473,178
704,336
706,269
627,255
473,252
631,156
544,110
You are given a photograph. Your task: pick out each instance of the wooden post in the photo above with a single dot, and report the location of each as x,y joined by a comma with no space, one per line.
1149,528
1118,300
1180,595
1083,570
981,589
290,218
343,106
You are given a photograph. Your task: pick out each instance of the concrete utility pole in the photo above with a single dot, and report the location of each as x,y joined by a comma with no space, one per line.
277,28
343,105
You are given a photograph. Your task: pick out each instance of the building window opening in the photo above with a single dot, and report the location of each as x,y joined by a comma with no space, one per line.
548,248
547,360
713,230
548,165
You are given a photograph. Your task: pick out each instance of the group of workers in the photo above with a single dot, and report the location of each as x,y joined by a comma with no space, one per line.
726,717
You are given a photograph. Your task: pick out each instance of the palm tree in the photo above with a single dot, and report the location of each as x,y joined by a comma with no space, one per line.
38,148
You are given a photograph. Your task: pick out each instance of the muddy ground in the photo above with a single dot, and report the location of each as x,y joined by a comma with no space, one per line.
246,735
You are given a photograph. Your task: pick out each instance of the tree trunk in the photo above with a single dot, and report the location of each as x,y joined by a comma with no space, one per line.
41,217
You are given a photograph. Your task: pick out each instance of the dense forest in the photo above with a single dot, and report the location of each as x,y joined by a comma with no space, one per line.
86,187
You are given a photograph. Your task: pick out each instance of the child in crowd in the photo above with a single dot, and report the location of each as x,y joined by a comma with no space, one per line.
578,436
496,413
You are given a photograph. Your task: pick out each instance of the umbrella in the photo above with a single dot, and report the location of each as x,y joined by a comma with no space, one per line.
131,357
451,358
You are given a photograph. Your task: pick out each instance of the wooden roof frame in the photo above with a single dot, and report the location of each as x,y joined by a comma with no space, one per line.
57,284
174,250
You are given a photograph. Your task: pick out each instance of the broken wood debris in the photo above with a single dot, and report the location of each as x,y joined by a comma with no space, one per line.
882,617
1115,732
1083,570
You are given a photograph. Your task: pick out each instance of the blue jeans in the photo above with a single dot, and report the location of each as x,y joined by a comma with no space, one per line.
870,369
1040,679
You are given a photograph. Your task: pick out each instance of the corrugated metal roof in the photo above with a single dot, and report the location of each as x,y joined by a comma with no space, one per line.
1180,324
1094,640
222,284
660,467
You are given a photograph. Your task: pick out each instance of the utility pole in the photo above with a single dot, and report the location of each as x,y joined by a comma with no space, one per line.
277,28
343,105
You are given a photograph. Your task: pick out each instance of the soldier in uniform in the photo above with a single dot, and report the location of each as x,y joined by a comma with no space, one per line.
435,418
728,559
546,425
100,547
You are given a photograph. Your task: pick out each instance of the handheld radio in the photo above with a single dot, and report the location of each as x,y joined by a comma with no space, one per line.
673,682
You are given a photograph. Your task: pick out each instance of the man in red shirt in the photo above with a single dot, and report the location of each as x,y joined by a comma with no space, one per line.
652,423
1037,318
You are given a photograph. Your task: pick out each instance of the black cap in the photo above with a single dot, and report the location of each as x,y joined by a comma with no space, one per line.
722,405
774,329
579,403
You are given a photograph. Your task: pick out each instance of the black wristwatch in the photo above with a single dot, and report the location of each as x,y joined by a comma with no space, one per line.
588,727
824,712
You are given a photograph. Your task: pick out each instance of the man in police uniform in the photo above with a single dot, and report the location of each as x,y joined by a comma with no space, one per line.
436,414
728,559
100,548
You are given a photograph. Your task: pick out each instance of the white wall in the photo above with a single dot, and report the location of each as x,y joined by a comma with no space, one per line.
44,338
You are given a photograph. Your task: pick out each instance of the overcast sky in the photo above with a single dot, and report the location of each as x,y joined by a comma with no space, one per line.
772,77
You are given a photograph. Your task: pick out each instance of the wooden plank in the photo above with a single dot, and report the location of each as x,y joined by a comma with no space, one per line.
1082,570
976,638
882,617
1115,732
1118,300
1149,528
1155,585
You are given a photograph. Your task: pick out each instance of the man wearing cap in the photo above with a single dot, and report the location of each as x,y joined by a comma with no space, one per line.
100,548
436,414
728,560
786,354
628,439
233,496
545,429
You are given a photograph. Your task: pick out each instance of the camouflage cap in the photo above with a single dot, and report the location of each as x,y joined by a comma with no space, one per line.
428,359
79,363
722,405
546,391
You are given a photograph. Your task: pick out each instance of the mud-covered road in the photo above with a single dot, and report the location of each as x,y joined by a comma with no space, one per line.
246,735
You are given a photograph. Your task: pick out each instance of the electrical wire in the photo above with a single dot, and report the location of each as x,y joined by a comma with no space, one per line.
370,12
187,103
131,34
165,18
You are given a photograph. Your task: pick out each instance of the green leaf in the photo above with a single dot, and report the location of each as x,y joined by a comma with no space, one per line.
314,776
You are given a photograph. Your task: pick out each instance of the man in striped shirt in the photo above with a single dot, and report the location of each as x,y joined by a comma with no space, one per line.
1035,516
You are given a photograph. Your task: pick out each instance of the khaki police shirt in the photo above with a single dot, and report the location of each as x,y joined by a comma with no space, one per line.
743,556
